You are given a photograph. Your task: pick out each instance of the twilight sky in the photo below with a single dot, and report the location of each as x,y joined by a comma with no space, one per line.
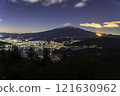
19,16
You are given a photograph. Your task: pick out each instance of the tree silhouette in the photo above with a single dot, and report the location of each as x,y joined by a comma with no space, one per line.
31,54
15,54
46,56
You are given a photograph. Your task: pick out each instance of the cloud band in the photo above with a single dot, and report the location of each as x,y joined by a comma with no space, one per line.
44,2
113,24
81,4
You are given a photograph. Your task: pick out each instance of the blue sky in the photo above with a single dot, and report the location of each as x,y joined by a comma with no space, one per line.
19,16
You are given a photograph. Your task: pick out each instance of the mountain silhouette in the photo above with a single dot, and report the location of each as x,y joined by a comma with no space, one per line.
66,30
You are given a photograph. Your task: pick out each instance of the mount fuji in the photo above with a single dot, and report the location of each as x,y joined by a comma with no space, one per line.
65,31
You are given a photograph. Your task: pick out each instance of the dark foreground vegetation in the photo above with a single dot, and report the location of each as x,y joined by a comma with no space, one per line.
84,64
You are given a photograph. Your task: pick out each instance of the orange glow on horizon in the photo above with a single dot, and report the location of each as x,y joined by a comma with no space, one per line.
12,31
20,31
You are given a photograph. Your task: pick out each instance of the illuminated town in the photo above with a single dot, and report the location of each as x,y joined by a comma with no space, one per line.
25,44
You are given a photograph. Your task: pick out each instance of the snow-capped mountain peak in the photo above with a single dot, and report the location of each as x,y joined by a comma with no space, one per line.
68,25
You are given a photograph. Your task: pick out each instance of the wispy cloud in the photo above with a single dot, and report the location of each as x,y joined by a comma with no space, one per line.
31,1
95,25
113,24
81,4
51,2
1,20
44,2
14,1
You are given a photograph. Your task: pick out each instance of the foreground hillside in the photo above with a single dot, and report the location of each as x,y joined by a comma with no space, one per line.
83,64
